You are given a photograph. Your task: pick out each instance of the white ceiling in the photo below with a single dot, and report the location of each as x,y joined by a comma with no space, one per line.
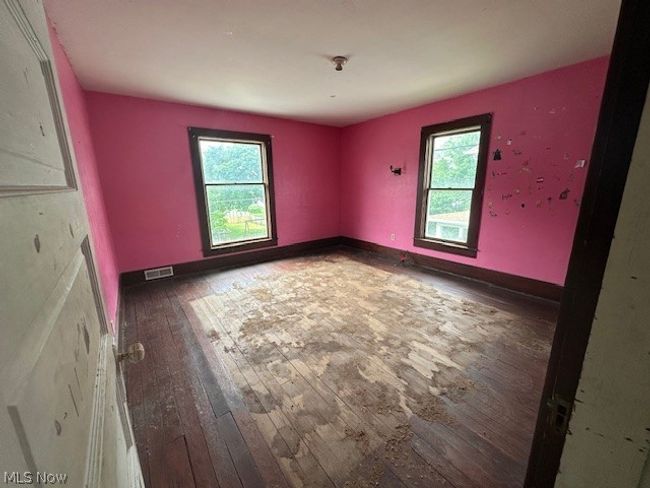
271,56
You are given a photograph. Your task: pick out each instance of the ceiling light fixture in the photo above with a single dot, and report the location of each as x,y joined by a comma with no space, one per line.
339,61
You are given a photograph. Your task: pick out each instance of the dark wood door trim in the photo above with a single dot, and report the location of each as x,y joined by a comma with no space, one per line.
618,123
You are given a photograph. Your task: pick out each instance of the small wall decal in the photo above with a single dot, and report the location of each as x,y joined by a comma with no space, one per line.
580,163
565,194
497,155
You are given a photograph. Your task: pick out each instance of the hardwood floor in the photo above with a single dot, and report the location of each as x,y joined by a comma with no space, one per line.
334,370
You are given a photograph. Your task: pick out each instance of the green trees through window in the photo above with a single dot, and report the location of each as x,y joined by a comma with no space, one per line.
453,159
236,193
452,179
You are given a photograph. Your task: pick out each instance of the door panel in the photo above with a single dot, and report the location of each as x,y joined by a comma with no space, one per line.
61,410
34,153
35,248
51,392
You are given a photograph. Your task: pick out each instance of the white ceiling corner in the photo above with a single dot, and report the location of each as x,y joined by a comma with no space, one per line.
271,57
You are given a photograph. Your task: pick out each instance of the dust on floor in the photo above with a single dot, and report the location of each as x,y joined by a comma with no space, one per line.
337,360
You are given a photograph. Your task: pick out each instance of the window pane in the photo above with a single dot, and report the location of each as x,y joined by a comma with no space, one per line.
230,162
454,160
448,215
237,213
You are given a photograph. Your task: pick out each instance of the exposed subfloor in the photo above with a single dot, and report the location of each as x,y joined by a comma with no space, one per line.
337,369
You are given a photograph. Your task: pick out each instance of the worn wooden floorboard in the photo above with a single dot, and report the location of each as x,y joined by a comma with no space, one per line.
293,378
280,432
257,463
181,409
205,411
334,370
134,387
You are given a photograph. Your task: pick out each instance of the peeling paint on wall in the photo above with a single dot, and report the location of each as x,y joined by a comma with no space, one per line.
531,145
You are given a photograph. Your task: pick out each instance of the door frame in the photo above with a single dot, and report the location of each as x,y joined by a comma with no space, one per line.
618,123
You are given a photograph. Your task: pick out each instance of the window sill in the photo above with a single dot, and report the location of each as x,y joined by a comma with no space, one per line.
445,246
240,246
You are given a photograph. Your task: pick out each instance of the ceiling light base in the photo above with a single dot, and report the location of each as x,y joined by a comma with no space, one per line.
339,61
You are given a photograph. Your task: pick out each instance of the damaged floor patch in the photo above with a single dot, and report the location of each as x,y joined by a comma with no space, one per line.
360,374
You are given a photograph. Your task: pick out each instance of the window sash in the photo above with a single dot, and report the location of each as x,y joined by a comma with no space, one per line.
263,162
427,194
427,216
431,154
267,216
429,184
214,194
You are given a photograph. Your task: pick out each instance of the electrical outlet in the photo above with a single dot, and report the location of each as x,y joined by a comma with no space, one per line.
392,236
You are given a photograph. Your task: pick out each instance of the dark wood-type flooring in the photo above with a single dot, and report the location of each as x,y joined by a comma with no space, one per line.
334,370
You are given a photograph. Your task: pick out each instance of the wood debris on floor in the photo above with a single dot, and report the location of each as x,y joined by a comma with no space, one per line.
333,370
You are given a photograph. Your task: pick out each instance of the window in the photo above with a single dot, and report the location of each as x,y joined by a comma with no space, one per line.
234,186
453,159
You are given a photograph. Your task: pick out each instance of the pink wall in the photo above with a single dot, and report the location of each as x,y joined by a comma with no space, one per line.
333,182
143,150
75,107
526,228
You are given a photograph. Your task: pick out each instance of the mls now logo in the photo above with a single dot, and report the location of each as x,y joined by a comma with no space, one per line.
40,477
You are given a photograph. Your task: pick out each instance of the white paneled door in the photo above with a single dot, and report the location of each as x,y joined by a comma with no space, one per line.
62,407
